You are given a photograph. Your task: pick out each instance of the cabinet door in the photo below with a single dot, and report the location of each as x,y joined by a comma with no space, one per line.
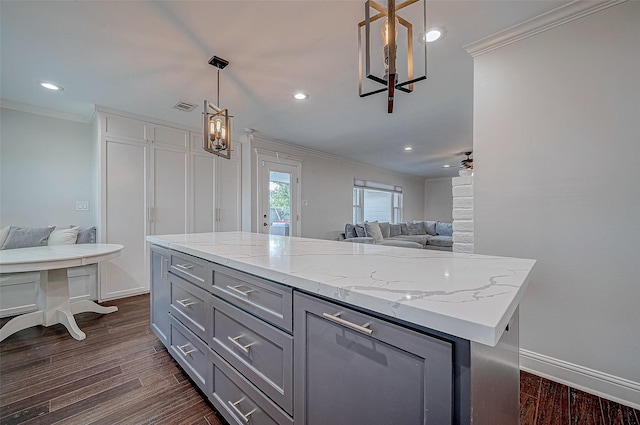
170,195
228,194
344,376
169,136
160,294
203,184
124,218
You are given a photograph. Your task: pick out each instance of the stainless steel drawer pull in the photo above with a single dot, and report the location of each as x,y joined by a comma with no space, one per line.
235,289
182,349
186,266
244,348
244,416
186,302
360,328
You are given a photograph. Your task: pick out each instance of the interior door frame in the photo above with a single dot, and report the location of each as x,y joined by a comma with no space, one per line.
263,156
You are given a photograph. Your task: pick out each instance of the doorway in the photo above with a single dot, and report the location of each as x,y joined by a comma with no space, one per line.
279,192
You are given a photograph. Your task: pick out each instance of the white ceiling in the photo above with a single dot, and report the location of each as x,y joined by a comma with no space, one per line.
144,57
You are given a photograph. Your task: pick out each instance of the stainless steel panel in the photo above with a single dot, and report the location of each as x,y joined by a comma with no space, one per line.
190,305
261,352
268,300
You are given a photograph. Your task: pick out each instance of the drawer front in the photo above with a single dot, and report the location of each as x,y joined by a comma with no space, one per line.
190,305
238,400
261,352
267,300
191,353
191,268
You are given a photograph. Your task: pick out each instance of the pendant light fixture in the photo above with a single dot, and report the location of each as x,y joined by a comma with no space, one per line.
217,121
390,22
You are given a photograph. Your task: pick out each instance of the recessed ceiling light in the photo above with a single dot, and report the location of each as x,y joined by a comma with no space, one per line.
432,35
51,86
408,148
446,166
301,96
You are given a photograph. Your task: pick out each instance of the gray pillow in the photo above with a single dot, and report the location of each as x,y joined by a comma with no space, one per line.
385,229
403,229
394,230
373,230
26,237
349,231
430,226
444,229
360,231
416,228
86,235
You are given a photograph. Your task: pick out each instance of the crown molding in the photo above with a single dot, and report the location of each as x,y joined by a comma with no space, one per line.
569,12
47,112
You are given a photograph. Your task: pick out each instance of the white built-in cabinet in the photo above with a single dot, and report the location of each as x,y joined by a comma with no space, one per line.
155,179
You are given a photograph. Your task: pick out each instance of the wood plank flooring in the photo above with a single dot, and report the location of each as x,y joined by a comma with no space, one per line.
122,374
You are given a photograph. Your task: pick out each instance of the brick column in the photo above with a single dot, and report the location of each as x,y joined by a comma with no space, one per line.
462,189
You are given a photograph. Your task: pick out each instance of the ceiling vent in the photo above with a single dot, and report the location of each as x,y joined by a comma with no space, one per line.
184,106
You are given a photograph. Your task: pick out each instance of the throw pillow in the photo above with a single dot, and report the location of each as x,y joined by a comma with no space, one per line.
416,228
430,226
360,231
394,230
403,229
25,237
444,229
63,236
349,231
86,235
373,230
4,232
385,229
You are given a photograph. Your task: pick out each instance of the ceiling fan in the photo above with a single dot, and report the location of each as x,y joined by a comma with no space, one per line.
467,162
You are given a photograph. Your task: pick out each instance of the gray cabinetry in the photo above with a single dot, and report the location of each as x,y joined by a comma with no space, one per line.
160,293
352,368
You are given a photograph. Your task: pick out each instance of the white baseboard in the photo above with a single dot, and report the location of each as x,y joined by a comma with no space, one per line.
592,381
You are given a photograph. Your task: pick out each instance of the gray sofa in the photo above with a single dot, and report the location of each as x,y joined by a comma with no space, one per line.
417,234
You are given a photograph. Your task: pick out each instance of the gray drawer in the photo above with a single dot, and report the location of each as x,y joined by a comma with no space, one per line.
191,353
261,352
190,305
191,268
234,397
267,300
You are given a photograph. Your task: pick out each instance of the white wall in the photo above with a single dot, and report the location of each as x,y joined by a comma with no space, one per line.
46,166
327,185
556,127
438,199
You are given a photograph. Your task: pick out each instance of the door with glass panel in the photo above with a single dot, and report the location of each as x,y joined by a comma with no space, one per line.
279,199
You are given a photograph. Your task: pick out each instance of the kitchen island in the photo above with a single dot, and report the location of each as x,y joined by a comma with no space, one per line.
278,329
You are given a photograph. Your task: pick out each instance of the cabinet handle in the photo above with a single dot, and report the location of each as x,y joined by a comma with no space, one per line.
164,267
185,353
185,266
244,348
235,289
245,417
186,302
360,328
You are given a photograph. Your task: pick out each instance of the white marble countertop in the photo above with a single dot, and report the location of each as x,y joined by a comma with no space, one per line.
469,296
55,256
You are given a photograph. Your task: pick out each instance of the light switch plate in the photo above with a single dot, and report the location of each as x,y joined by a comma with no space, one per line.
82,205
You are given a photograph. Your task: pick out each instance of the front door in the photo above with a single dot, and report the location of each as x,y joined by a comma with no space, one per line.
279,196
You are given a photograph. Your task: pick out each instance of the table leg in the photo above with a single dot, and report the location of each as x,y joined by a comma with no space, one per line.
21,322
66,318
83,306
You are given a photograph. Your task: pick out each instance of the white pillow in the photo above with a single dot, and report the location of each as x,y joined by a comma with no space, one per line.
4,232
64,236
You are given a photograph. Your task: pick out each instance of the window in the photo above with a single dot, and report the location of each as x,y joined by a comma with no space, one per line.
376,201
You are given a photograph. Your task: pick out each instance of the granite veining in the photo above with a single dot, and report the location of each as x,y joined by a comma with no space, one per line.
466,295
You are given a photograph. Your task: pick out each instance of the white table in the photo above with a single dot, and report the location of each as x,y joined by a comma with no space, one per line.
52,262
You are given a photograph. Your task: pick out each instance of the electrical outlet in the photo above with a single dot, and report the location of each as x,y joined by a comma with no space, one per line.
82,205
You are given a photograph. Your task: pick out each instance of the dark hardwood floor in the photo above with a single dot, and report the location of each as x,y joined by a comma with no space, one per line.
122,374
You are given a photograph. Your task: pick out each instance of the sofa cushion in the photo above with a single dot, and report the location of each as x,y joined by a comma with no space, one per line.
444,229
86,235
350,231
421,239
373,230
360,240
403,229
4,232
63,236
430,226
360,231
400,243
443,241
416,228
26,237
394,230
385,228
